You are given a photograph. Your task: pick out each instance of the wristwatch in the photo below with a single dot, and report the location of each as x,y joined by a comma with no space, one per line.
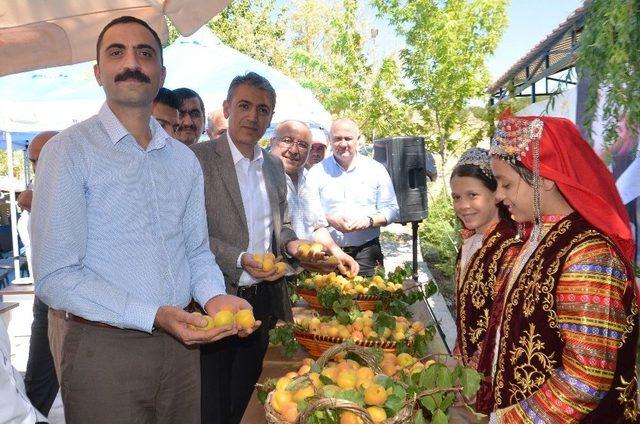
370,221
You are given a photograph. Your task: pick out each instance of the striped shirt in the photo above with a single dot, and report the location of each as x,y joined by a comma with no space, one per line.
117,230
305,209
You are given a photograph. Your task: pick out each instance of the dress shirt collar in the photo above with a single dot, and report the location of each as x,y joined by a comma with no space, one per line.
116,131
352,166
237,156
302,175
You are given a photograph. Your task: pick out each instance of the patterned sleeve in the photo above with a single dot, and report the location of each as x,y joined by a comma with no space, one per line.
591,320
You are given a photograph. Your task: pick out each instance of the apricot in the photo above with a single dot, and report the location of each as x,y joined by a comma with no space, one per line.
223,318
389,368
348,417
303,393
280,399
245,319
404,360
282,383
346,379
268,265
290,413
303,249
207,326
281,267
316,248
378,415
375,395
304,369
330,373
365,373
258,257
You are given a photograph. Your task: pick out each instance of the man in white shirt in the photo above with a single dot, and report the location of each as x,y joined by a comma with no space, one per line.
292,143
246,202
357,196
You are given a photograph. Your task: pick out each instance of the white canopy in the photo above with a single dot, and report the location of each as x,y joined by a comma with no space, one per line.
43,33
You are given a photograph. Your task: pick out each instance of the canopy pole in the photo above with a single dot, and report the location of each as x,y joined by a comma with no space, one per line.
12,208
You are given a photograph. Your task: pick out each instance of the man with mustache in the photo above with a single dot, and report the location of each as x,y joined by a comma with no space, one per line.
191,115
292,143
357,196
119,242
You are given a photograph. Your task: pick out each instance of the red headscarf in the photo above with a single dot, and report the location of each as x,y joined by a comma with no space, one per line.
570,162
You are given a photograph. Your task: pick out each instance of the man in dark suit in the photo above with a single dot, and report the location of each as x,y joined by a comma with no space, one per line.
246,203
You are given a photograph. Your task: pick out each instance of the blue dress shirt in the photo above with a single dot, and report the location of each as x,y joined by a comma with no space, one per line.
117,230
362,190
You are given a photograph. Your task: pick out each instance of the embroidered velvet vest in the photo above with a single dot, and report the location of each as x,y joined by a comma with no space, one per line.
530,346
476,288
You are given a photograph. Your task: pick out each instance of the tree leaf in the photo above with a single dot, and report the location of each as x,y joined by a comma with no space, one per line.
394,404
470,379
439,417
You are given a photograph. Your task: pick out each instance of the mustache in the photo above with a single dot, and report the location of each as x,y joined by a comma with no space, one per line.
132,73
187,127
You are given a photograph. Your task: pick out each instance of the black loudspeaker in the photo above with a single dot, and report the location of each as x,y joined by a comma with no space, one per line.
405,160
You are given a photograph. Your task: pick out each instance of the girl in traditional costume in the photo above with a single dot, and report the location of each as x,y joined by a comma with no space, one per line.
566,340
489,244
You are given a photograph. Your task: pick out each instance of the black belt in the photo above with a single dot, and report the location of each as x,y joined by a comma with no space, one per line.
247,292
349,250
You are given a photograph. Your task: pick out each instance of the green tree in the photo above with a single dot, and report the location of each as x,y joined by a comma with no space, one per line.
256,28
322,46
447,43
610,57
384,114
18,164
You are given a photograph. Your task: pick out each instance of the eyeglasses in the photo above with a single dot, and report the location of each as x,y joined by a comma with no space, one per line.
290,142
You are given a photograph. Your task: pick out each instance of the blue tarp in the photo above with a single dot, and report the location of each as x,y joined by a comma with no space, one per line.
19,139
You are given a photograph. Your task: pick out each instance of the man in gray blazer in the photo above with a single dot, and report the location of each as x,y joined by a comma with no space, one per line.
246,203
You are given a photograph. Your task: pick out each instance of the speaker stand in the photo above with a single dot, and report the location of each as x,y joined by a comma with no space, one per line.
414,233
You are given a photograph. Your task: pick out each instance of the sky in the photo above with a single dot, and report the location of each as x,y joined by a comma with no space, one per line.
530,21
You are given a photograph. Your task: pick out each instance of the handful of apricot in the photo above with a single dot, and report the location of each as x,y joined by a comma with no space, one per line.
242,319
268,262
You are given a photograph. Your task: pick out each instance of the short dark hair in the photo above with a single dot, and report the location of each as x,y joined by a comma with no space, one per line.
167,97
255,80
185,93
127,20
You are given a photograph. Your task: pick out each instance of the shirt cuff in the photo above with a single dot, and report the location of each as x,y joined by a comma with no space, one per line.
389,214
239,260
206,291
139,315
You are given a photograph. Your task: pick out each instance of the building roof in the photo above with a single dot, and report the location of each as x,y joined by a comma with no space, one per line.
554,54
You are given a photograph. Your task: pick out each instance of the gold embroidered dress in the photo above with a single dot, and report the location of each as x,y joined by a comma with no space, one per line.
483,261
568,332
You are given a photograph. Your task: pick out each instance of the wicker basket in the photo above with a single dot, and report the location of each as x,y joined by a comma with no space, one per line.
316,344
366,302
321,403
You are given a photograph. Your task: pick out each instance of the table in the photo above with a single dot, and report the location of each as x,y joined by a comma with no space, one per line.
7,306
16,289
